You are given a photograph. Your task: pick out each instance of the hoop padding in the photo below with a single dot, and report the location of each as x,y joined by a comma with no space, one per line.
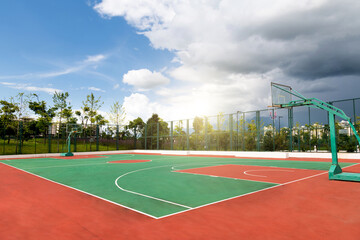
280,94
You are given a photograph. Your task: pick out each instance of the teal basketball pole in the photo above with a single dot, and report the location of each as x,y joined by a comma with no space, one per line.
335,172
68,143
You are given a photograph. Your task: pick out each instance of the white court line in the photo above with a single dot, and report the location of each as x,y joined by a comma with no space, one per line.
266,170
144,195
90,194
243,195
138,211
60,166
160,199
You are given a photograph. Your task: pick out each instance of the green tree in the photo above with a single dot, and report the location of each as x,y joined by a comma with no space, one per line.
164,130
90,108
198,125
63,111
137,126
7,118
117,113
250,136
179,136
268,140
46,114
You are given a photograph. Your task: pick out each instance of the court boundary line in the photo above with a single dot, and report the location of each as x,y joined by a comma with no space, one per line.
144,195
246,194
75,165
207,163
172,214
90,194
266,170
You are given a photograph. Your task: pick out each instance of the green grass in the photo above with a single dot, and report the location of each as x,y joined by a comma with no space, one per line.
57,146
140,183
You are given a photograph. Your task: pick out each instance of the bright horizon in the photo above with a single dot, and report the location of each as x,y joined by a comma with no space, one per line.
179,59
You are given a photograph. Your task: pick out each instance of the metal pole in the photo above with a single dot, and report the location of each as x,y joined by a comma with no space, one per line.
237,131
279,122
309,121
20,135
258,130
218,133
157,135
333,138
187,134
299,140
145,136
273,127
231,130
243,136
290,120
97,137
171,135
206,143
135,138
117,137
49,139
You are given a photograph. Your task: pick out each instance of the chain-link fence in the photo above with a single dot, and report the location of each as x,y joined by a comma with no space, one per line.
297,129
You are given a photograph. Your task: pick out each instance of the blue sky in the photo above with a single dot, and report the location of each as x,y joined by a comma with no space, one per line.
179,59
43,40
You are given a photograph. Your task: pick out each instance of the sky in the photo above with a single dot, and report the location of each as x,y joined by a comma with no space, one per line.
179,58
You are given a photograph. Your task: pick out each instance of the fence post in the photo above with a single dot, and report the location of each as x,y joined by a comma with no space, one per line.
299,140
231,131
20,135
97,137
258,130
187,135
218,133
206,142
273,128
75,142
135,138
49,138
243,135
117,137
290,123
171,135
157,135
145,136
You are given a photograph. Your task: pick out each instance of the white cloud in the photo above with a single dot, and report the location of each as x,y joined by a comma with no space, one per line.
94,58
96,89
138,105
142,14
229,50
80,66
28,87
144,79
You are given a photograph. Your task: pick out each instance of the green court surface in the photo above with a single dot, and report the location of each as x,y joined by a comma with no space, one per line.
154,188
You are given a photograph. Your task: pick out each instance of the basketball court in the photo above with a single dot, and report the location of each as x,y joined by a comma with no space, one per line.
154,195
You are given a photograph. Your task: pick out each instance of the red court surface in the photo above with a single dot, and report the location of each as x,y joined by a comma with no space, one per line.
254,173
315,208
129,161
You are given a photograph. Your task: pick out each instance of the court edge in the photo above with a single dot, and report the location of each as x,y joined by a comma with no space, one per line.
172,214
